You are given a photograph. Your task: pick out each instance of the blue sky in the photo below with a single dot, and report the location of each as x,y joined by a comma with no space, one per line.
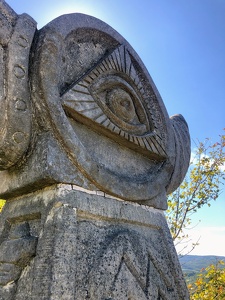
182,44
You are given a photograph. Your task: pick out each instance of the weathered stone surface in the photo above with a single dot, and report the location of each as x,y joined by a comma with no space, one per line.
16,35
9,272
18,251
92,116
7,292
93,247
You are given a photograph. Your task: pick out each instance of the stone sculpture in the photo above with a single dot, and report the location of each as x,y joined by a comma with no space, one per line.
80,116
90,91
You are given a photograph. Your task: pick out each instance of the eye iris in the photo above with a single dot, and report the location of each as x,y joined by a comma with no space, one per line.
121,104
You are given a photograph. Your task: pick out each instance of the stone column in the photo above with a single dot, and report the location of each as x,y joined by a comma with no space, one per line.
87,156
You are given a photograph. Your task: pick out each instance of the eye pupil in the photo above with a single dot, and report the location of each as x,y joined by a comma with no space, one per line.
125,103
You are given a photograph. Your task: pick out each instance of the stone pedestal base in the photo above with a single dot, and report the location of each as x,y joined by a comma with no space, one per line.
67,243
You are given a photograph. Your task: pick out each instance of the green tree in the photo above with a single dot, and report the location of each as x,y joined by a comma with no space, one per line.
201,185
210,283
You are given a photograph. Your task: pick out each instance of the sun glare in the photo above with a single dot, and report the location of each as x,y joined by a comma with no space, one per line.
68,9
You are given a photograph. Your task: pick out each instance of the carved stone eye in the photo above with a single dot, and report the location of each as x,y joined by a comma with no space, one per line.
120,102
111,96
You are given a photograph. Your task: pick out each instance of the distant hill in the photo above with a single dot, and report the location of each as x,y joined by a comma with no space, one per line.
197,262
193,264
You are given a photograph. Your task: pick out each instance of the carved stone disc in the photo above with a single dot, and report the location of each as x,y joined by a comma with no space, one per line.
94,92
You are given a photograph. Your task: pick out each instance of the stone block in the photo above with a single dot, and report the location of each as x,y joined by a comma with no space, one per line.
94,247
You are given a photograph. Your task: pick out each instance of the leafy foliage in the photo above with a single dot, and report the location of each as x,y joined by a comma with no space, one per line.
192,265
2,202
210,283
201,185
